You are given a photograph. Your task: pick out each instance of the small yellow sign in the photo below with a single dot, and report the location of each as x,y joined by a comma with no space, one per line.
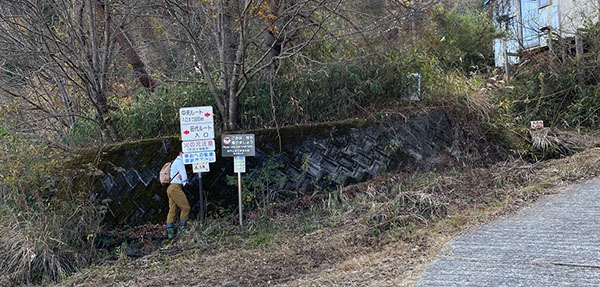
201,166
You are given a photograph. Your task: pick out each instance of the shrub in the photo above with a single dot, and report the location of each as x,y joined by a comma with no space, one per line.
556,87
324,94
47,229
262,186
461,40
152,114
85,132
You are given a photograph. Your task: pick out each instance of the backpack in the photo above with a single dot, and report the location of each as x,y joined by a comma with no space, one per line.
164,176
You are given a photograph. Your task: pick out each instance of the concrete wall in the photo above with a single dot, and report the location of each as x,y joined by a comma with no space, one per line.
312,158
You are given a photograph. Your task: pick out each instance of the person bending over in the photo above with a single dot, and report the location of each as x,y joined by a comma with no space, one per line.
177,198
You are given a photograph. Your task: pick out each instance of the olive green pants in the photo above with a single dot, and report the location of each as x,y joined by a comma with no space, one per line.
177,199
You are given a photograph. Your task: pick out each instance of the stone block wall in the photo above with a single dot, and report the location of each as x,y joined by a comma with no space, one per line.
312,158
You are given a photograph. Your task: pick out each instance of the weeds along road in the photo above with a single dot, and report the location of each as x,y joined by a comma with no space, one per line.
554,242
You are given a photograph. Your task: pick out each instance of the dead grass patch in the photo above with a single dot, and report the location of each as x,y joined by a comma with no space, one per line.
330,240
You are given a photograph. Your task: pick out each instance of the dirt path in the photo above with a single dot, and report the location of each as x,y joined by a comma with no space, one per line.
554,242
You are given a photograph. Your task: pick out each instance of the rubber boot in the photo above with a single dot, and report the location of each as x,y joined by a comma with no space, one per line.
182,227
170,230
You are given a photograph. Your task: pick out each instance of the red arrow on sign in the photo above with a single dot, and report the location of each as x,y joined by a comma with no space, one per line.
186,132
207,115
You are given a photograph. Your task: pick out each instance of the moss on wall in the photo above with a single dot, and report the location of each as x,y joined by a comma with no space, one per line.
310,158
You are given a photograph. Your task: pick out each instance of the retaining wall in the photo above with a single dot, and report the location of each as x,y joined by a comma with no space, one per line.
308,158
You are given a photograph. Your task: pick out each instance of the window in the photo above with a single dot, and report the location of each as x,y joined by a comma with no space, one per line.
544,3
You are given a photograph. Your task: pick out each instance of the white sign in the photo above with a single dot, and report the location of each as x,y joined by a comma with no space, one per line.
197,132
197,123
201,166
239,164
537,125
198,146
205,156
196,115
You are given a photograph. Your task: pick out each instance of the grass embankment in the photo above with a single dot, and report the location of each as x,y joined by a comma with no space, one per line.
380,233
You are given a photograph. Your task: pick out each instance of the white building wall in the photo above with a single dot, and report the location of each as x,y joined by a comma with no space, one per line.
574,14
549,17
512,47
562,17
508,8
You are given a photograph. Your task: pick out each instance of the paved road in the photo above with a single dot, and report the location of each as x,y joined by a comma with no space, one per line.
555,242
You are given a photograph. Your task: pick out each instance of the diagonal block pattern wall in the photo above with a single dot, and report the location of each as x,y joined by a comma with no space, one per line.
310,158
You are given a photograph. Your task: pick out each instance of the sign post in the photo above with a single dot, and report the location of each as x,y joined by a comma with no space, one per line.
201,198
239,166
238,146
240,197
198,145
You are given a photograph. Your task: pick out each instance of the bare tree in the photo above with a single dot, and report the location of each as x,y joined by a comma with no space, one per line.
233,41
57,58
127,47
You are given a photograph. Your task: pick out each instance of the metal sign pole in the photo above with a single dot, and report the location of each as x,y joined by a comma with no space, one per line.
240,195
201,193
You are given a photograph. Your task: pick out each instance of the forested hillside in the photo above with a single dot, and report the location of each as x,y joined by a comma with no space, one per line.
105,71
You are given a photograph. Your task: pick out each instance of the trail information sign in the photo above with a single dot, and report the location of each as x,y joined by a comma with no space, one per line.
237,145
197,123
207,156
197,146
197,135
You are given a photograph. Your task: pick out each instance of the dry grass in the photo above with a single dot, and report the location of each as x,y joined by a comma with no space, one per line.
44,223
548,141
40,244
401,262
381,233
36,250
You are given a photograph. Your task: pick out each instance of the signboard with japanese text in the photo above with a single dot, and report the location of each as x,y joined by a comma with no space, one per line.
237,145
197,146
206,156
239,164
535,125
201,166
197,123
197,126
